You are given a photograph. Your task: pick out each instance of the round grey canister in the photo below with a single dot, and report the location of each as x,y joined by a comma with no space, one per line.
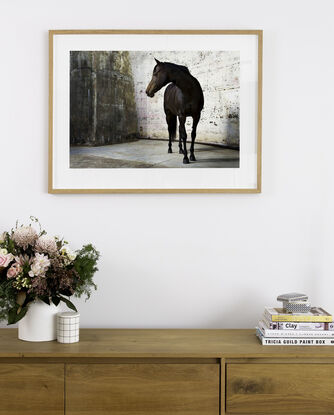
68,327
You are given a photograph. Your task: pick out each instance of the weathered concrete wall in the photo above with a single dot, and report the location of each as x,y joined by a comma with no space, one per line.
218,73
102,101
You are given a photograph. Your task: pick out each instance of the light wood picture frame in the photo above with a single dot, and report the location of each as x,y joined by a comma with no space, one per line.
108,135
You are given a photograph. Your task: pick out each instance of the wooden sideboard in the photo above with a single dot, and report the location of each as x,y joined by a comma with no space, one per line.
164,372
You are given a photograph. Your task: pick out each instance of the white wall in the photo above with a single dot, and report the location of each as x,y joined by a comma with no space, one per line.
187,260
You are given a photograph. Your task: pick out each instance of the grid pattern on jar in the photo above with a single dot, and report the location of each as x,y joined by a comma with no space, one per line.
68,329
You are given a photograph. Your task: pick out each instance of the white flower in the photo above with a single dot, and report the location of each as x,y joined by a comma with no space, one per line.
42,260
39,266
24,236
72,256
36,270
68,254
3,251
46,244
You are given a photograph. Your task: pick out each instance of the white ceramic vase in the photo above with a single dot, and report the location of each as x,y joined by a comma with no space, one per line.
39,324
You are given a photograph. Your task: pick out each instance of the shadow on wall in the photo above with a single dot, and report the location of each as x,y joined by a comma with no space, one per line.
102,100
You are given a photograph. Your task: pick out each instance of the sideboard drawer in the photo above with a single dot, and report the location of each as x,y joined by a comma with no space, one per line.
280,388
119,389
31,389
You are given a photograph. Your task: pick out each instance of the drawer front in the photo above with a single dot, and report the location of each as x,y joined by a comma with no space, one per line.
31,389
102,389
280,388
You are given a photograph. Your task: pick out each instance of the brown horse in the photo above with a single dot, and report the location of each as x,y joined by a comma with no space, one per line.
183,98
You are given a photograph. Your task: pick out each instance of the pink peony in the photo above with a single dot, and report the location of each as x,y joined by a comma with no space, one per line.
14,270
5,260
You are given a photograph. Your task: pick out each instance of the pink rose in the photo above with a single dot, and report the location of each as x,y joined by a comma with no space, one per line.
5,260
14,270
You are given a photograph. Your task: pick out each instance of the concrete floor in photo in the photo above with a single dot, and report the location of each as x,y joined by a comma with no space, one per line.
151,153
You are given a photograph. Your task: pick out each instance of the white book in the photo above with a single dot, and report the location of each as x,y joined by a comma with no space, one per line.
293,341
315,315
291,325
294,333
274,341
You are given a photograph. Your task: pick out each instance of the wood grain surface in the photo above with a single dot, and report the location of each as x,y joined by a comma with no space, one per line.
130,389
179,343
164,372
280,388
31,389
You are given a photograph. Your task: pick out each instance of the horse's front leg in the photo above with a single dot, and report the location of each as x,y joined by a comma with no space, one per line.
193,136
171,122
183,136
180,146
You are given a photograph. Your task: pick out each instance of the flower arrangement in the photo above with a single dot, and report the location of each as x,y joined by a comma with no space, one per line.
34,265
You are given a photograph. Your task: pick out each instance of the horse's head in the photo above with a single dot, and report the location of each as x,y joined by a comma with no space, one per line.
159,79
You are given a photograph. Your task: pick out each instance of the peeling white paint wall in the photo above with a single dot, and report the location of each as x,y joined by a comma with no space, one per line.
218,73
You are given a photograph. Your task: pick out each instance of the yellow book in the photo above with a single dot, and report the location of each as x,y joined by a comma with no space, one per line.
316,315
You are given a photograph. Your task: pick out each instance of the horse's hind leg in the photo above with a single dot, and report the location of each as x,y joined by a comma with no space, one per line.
193,136
171,121
183,136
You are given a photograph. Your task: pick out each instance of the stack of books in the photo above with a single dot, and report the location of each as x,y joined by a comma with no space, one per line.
279,327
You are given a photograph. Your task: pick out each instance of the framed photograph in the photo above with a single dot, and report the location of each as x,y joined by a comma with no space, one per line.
133,111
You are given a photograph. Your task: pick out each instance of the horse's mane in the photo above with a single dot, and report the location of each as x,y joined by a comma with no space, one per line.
180,67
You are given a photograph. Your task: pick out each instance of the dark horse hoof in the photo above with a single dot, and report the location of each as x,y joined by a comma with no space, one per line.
186,160
170,150
180,151
192,157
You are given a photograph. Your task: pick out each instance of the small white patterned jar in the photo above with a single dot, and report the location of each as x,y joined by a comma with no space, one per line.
68,327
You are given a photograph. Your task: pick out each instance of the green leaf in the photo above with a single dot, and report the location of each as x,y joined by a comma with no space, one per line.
67,293
45,300
21,297
14,317
55,300
68,303
85,266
